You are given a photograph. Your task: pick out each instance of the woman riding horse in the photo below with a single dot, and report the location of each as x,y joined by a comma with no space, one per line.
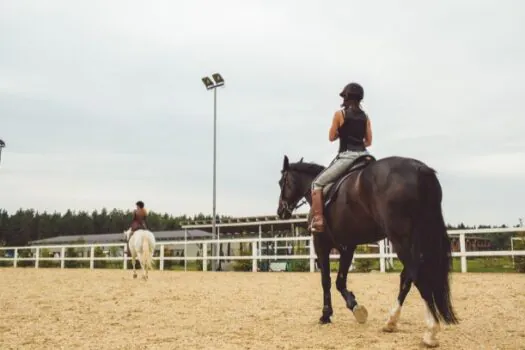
352,127
398,198
139,217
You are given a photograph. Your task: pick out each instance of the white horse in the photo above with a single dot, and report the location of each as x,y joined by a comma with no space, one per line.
142,244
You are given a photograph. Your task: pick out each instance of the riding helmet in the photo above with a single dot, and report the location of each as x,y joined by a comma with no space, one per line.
352,91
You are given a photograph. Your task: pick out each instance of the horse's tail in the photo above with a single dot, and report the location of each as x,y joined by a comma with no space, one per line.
146,252
431,248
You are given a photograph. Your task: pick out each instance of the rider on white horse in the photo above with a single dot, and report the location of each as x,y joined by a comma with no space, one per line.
141,242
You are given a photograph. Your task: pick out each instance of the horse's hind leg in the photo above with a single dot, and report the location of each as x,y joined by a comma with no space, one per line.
143,268
133,262
360,312
395,313
430,335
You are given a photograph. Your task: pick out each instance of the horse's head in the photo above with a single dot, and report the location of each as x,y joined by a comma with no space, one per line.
295,182
127,234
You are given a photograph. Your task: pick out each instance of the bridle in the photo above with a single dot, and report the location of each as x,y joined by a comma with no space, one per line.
297,205
284,204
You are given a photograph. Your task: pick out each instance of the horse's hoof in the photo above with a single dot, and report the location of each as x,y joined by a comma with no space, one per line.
134,276
390,328
429,341
324,320
360,313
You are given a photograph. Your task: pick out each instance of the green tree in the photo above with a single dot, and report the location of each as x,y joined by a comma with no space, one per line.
23,226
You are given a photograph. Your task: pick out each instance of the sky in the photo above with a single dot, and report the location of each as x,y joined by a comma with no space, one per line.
102,104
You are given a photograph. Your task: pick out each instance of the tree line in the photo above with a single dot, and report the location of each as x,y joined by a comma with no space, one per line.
26,225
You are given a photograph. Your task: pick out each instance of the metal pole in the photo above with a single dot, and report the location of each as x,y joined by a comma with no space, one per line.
2,145
213,226
185,249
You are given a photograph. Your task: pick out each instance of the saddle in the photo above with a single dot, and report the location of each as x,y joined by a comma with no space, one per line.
330,190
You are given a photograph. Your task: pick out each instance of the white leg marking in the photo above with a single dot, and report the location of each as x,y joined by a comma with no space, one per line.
395,313
430,335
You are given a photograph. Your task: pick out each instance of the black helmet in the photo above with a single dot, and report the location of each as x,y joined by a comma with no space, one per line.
352,91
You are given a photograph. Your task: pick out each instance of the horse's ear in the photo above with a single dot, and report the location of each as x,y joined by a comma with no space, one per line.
286,163
301,160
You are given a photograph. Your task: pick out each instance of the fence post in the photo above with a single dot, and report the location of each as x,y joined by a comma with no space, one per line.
15,256
254,256
62,257
92,258
260,243
37,257
204,257
463,250
125,263
161,257
382,255
390,251
312,254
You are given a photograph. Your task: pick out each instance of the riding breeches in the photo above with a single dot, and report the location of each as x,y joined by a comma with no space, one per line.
336,169
136,225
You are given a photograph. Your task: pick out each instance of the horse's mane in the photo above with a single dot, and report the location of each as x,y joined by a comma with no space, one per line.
308,168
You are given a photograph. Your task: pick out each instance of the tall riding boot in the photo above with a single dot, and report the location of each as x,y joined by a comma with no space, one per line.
317,223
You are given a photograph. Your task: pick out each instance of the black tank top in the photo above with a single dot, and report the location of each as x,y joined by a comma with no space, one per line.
353,130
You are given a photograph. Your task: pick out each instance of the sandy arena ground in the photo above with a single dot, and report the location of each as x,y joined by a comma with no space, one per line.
107,309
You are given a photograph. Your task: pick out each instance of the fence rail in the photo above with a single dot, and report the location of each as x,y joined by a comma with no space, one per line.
256,250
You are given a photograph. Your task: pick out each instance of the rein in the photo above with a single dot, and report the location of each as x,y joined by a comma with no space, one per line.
290,209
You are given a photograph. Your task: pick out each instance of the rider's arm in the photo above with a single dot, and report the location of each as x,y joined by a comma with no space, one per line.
368,135
337,121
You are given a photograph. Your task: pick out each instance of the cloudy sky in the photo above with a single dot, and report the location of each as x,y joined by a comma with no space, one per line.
101,102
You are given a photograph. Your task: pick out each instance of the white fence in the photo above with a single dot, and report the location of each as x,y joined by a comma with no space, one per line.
256,249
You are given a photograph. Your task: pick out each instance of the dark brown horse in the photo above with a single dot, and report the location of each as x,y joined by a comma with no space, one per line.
395,197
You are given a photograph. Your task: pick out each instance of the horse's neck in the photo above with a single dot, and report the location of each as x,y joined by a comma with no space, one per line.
308,190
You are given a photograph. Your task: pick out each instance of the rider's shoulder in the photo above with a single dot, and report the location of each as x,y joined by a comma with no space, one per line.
340,113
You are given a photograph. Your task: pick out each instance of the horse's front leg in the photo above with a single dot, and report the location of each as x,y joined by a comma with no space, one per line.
133,262
323,257
359,311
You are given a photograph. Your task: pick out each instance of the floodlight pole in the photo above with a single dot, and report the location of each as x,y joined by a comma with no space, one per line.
214,220
2,145
213,85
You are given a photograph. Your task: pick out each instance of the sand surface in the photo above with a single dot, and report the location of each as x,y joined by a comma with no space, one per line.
107,309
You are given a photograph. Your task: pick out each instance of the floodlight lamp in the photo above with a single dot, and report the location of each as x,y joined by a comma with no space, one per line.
2,144
207,82
218,79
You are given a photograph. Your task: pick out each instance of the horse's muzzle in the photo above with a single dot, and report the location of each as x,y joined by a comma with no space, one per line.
283,211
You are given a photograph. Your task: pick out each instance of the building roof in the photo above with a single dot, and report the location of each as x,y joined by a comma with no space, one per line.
247,219
119,237
270,224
